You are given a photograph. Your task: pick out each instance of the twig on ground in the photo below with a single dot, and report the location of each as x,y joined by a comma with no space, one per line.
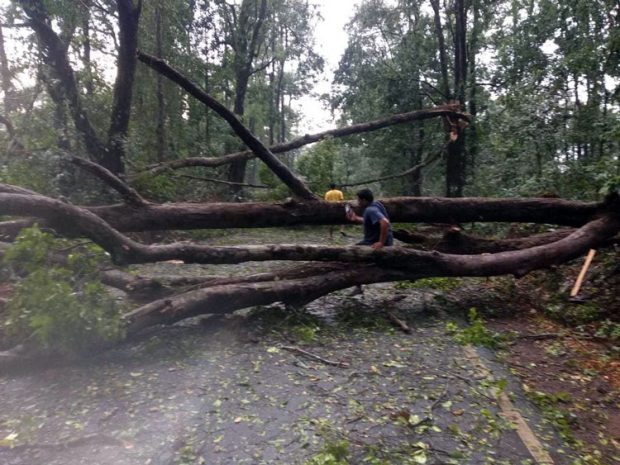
540,336
398,322
315,357
469,381
441,396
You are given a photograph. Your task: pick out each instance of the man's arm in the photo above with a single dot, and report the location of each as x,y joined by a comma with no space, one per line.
384,224
351,216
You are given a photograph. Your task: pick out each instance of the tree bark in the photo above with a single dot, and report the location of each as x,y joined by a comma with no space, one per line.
55,56
455,241
86,50
154,217
245,53
161,106
441,43
179,216
227,298
129,17
456,163
387,264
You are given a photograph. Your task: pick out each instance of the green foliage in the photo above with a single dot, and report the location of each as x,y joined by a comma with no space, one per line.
62,308
609,329
574,313
318,164
439,284
305,333
476,333
332,453
159,188
611,184
560,418
277,191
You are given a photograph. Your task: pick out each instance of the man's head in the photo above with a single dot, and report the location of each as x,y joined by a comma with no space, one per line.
332,186
365,197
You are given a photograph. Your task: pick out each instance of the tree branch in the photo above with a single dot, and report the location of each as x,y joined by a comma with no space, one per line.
221,181
229,297
279,168
388,264
129,194
430,159
124,250
418,115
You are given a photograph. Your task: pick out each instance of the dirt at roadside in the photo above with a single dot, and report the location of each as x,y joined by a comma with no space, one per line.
573,380
565,351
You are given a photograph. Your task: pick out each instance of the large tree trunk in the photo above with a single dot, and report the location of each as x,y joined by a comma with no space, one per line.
129,17
441,45
86,50
473,103
456,163
124,250
55,56
5,79
246,47
154,217
227,298
161,107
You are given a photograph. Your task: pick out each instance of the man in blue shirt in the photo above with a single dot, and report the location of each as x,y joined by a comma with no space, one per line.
377,229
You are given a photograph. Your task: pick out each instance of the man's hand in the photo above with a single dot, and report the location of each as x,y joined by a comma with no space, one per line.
377,245
351,216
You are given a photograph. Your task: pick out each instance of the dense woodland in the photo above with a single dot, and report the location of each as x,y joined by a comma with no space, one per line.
161,100
539,78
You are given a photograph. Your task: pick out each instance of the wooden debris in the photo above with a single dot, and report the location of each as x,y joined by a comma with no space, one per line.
582,273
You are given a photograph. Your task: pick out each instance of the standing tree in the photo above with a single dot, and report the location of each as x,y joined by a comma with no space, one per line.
64,87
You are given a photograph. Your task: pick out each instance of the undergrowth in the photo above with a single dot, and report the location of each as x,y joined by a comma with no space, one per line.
476,333
59,305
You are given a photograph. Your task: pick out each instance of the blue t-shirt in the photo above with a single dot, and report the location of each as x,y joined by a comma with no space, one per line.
372,229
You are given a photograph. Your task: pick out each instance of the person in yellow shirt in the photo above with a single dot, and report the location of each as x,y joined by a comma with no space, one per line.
334,195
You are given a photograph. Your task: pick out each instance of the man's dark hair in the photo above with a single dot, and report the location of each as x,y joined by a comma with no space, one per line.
365,194
332,185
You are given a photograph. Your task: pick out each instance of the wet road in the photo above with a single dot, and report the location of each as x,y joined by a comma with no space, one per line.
226,392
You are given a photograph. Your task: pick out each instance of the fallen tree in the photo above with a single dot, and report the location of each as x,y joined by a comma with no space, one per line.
178,216
333,268
301,286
